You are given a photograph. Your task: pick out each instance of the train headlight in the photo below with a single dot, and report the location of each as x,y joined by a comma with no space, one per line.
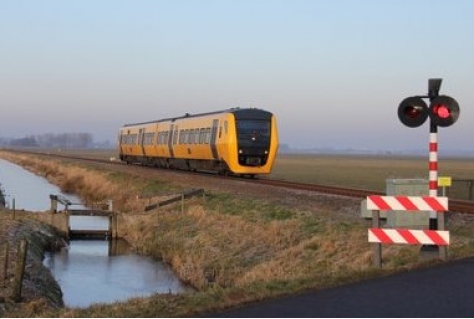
266,152
240,152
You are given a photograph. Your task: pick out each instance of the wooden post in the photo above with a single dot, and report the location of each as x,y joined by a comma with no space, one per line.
5,263
19,270
377,247
54,203
182,203
470,189
443,250
13,206
116,229
111,227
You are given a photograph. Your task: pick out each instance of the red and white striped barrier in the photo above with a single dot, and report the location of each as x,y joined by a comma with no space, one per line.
418,203
409,236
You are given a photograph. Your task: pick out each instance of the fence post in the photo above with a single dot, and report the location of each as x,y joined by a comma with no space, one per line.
19,270
470,190
13,206
5,263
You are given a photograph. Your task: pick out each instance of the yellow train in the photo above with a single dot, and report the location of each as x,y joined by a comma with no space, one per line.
242,141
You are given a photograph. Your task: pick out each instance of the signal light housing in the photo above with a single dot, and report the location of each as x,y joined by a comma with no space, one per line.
444,110
413,111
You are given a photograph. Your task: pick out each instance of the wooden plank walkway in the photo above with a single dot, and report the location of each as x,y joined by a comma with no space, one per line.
90,212
89,234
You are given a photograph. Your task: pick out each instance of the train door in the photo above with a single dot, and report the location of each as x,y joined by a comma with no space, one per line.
170,140
141,133
215,124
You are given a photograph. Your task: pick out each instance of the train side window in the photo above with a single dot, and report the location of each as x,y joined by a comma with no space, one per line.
158,139
201,136
152,138
185,137
163,137
191,136
208,135
225,127
196,136
175,137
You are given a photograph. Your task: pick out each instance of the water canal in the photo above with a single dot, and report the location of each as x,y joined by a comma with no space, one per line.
88,271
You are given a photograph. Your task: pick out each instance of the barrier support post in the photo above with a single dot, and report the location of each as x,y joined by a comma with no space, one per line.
443,250
377,247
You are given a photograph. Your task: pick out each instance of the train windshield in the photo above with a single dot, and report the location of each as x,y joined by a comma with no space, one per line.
253,132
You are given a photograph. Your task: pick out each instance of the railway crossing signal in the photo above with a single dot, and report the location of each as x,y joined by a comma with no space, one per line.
443,110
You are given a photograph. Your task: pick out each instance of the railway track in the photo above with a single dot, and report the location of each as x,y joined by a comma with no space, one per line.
459,206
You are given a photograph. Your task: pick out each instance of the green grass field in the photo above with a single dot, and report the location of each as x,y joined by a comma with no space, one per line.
355,171
369,172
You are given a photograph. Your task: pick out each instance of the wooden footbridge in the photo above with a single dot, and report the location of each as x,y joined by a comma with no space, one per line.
104,210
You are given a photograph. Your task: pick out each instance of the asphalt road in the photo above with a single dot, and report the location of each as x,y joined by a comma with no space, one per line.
445,290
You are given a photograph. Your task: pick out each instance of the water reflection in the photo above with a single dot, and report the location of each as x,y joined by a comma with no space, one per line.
89,222
92,271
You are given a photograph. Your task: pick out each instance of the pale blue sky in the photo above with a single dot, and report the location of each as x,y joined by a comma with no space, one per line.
332,71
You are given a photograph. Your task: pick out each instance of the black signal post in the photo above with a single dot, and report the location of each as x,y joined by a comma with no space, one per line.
443,111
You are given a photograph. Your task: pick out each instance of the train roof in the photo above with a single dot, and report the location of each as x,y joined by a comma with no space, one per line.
240,112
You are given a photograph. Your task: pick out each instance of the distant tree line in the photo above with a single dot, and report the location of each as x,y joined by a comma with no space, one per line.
62,140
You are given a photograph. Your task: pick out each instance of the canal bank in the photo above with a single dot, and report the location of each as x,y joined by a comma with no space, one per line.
39,288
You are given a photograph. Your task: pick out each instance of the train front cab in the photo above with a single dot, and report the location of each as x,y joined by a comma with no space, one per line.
251,142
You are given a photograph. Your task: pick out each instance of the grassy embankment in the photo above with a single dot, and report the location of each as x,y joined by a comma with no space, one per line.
247,249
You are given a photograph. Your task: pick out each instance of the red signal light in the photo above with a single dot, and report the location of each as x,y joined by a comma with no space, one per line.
444,110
